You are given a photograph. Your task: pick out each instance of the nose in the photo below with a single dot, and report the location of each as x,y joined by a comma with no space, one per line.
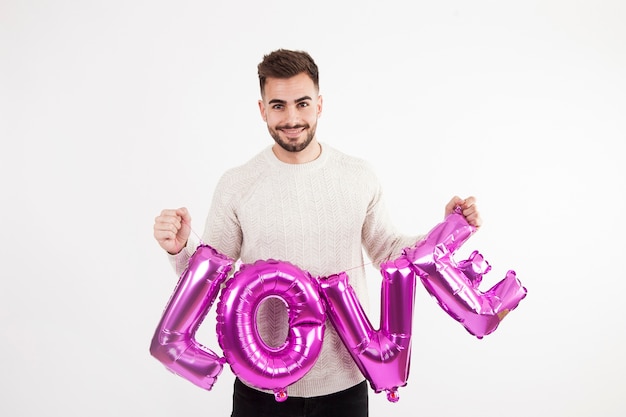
292,116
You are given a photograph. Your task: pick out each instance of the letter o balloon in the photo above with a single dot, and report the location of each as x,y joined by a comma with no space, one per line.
250,358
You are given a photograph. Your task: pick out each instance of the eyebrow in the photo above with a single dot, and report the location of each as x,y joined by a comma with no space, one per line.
278,101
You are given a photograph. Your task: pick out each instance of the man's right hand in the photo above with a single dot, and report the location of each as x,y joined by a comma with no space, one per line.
172,228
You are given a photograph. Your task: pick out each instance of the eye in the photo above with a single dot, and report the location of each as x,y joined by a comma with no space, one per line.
278,106
303,104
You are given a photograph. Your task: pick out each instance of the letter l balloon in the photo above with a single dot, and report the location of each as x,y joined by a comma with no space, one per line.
173,343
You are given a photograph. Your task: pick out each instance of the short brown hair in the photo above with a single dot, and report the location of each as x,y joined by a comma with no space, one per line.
284,63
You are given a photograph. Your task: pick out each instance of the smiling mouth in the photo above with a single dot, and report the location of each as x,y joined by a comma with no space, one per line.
292,132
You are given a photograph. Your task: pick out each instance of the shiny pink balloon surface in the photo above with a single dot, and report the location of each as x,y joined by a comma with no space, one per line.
254,361
382,355
455,285
174,343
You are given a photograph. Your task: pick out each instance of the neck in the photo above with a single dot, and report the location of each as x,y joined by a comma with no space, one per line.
308,154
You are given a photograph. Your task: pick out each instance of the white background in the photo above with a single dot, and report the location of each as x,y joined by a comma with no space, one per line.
113,110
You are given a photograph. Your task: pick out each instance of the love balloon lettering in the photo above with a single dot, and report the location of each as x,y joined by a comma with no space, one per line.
382,355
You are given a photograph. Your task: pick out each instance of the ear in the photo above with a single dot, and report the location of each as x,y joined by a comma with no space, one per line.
262,110
319,105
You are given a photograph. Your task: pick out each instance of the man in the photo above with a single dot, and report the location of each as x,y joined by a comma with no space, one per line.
306,203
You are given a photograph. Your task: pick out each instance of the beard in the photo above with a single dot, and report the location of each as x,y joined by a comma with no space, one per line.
293,146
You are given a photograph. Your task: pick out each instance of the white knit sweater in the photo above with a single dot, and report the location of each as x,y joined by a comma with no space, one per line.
319,216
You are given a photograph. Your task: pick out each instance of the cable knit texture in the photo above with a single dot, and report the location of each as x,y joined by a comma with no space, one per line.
319,216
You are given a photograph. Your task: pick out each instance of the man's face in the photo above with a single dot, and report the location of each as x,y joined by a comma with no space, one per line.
291,107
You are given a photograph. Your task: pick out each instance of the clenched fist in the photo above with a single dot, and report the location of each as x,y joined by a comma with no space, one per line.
468,209
172,228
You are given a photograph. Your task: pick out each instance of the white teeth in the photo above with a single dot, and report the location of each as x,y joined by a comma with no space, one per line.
292,131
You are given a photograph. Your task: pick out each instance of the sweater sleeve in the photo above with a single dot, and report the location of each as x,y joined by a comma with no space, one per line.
180,261
222,230
222,227
380,238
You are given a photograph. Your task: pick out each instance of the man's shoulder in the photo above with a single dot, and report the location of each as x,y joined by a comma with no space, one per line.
238,180
252,167
351,162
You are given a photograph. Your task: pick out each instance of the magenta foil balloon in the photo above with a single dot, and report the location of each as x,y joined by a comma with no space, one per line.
174,342
250,358
383,355
455,286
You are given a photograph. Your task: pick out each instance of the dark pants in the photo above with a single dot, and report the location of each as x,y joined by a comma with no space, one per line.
248,402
